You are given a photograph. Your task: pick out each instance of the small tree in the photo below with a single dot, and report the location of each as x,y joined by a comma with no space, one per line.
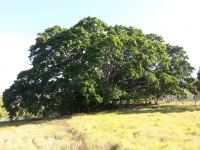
3,112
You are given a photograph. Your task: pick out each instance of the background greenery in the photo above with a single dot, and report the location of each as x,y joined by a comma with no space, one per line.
3,112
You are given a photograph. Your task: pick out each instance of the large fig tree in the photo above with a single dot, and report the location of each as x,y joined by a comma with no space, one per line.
93,65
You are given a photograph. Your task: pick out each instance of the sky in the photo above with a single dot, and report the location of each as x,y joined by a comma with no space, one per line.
177,21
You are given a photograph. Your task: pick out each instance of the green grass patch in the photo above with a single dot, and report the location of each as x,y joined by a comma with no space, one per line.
166,126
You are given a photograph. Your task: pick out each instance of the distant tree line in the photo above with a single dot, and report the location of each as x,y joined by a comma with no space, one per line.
92,66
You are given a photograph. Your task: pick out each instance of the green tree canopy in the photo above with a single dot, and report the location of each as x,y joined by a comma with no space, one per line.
93,65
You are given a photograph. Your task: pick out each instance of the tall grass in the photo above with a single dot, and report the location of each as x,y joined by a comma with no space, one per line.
167,126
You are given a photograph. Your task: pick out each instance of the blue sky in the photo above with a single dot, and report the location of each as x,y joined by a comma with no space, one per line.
30,17
20,21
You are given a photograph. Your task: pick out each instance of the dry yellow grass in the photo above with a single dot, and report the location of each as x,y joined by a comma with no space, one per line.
34,135
173,126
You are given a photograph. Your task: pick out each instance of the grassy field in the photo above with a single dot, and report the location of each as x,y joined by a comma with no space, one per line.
171,126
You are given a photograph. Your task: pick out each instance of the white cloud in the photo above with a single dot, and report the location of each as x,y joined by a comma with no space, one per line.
13,57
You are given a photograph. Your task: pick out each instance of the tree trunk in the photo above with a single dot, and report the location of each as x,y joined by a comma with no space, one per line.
156,101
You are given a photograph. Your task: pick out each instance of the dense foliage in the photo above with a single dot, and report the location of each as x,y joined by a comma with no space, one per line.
93,65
